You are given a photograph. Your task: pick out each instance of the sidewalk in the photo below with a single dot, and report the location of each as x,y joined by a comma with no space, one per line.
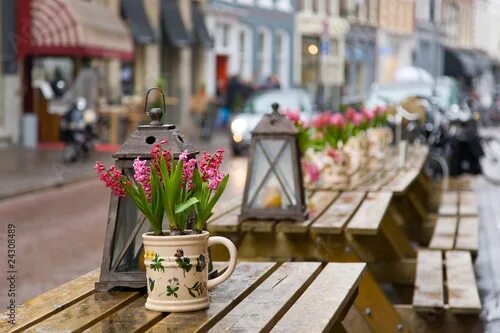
25,170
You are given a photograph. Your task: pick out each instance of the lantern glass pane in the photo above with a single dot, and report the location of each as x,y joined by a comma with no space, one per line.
130,225
272,181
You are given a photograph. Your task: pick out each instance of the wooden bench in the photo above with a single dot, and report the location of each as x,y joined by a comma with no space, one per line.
458,283
289,297
459,233
445,297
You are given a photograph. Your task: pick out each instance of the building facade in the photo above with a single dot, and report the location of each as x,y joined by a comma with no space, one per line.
253,39
395,37
9,79
429,53
361,48
320,50
487,32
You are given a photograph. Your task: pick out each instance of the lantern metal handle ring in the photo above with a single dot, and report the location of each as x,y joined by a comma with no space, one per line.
156,113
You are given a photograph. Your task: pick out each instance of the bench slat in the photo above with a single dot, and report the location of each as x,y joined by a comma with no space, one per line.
468,234
428,294
51,302
463,296
443,237
87,312
337,215
468,204
324,302
261,309
222,299
316,206
367,220
226,223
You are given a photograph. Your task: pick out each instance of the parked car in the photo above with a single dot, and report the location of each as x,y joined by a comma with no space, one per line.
259,104
445,92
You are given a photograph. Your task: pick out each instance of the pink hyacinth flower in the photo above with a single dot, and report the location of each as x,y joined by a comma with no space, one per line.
336,119
142,175
112,178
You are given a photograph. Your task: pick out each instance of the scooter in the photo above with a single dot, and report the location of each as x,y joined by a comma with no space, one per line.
77,131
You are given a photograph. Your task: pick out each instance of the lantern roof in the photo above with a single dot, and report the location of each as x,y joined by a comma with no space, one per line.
275,123
141,141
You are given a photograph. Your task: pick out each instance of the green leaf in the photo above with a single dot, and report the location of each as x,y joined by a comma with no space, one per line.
179,208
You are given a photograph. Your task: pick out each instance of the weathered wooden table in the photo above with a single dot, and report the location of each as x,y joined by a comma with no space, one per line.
258,297
355,223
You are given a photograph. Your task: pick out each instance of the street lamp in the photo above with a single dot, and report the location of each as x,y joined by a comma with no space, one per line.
123,262
273,188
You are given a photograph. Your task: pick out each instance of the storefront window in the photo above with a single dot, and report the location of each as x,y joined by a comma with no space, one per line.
282,56
310,59
263,54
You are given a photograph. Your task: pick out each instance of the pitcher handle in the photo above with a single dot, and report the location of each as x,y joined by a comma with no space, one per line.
232,260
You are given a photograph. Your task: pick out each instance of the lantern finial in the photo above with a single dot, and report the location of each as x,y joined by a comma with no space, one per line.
156,113
275,107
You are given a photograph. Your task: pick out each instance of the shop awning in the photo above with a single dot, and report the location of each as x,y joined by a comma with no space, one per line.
200,29
173,27
483,62
460,63
77,28
137,20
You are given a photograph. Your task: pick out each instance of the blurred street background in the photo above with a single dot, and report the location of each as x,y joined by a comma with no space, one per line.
74,75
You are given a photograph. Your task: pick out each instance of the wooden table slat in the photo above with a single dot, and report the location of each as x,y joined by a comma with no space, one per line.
463,296
270,300
131,318
468,234
86,312
379,181
428,294
51,302
222,299
443,237
323,303
368,218
402,181
333,220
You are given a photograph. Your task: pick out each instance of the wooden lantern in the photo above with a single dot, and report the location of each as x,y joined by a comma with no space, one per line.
122,263
273,188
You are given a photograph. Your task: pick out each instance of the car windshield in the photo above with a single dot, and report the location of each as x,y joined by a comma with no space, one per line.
389,94
445,93
291,99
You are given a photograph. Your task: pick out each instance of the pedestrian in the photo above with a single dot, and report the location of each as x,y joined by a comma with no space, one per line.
86,85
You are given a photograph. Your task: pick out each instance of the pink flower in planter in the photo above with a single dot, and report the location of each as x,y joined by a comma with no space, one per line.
142,175
187,173
334,154
293,116
215,180
350,113
379,110
112,178
357,119
369,114
336,119
184,155
209,164
157,152
312,171
321,121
